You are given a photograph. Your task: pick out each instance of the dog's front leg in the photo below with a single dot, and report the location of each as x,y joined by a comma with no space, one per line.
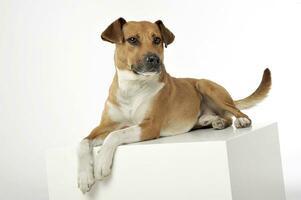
85,156
104,158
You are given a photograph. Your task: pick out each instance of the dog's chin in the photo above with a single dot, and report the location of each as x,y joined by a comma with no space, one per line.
146,73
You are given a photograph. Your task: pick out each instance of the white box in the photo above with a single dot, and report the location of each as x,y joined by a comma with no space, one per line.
204,164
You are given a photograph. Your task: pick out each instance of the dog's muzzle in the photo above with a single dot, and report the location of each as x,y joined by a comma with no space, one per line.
151,64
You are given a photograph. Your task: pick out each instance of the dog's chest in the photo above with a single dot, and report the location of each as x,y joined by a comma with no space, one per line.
134,99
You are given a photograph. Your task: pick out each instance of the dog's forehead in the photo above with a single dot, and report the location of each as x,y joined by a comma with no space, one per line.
143,27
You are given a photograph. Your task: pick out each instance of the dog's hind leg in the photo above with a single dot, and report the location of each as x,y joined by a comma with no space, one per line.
222,122
207,117
211,119
222,100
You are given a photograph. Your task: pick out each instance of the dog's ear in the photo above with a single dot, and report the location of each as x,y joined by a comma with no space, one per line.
114,32
167,36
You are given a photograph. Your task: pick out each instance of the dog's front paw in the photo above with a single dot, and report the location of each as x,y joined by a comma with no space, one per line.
103,163
242,122
85,180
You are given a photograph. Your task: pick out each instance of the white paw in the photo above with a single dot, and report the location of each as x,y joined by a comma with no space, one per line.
219,123
103,162
242,122
85,180
207,120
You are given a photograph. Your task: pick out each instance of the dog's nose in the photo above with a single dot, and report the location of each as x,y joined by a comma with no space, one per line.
152,61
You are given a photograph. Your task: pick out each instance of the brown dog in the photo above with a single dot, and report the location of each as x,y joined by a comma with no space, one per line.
145,102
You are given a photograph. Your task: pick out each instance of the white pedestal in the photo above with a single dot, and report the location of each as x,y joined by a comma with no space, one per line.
205,164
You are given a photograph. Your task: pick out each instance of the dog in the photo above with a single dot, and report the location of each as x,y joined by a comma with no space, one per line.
146,103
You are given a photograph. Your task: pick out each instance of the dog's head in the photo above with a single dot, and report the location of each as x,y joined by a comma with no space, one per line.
139,45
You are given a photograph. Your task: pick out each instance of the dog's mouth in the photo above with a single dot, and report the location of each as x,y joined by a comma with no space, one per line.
146,71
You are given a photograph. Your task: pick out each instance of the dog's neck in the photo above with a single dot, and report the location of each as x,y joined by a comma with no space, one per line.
129,82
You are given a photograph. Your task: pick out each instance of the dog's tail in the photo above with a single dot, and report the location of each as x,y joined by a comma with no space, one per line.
260,93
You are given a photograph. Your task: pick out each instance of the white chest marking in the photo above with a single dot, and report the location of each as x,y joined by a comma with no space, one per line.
134,96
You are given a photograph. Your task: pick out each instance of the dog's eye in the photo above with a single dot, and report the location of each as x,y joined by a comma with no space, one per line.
132,40
157,40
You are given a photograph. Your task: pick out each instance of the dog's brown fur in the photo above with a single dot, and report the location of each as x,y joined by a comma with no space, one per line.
180,105
181,98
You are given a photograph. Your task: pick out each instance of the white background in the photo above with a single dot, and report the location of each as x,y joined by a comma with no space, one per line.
55,71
